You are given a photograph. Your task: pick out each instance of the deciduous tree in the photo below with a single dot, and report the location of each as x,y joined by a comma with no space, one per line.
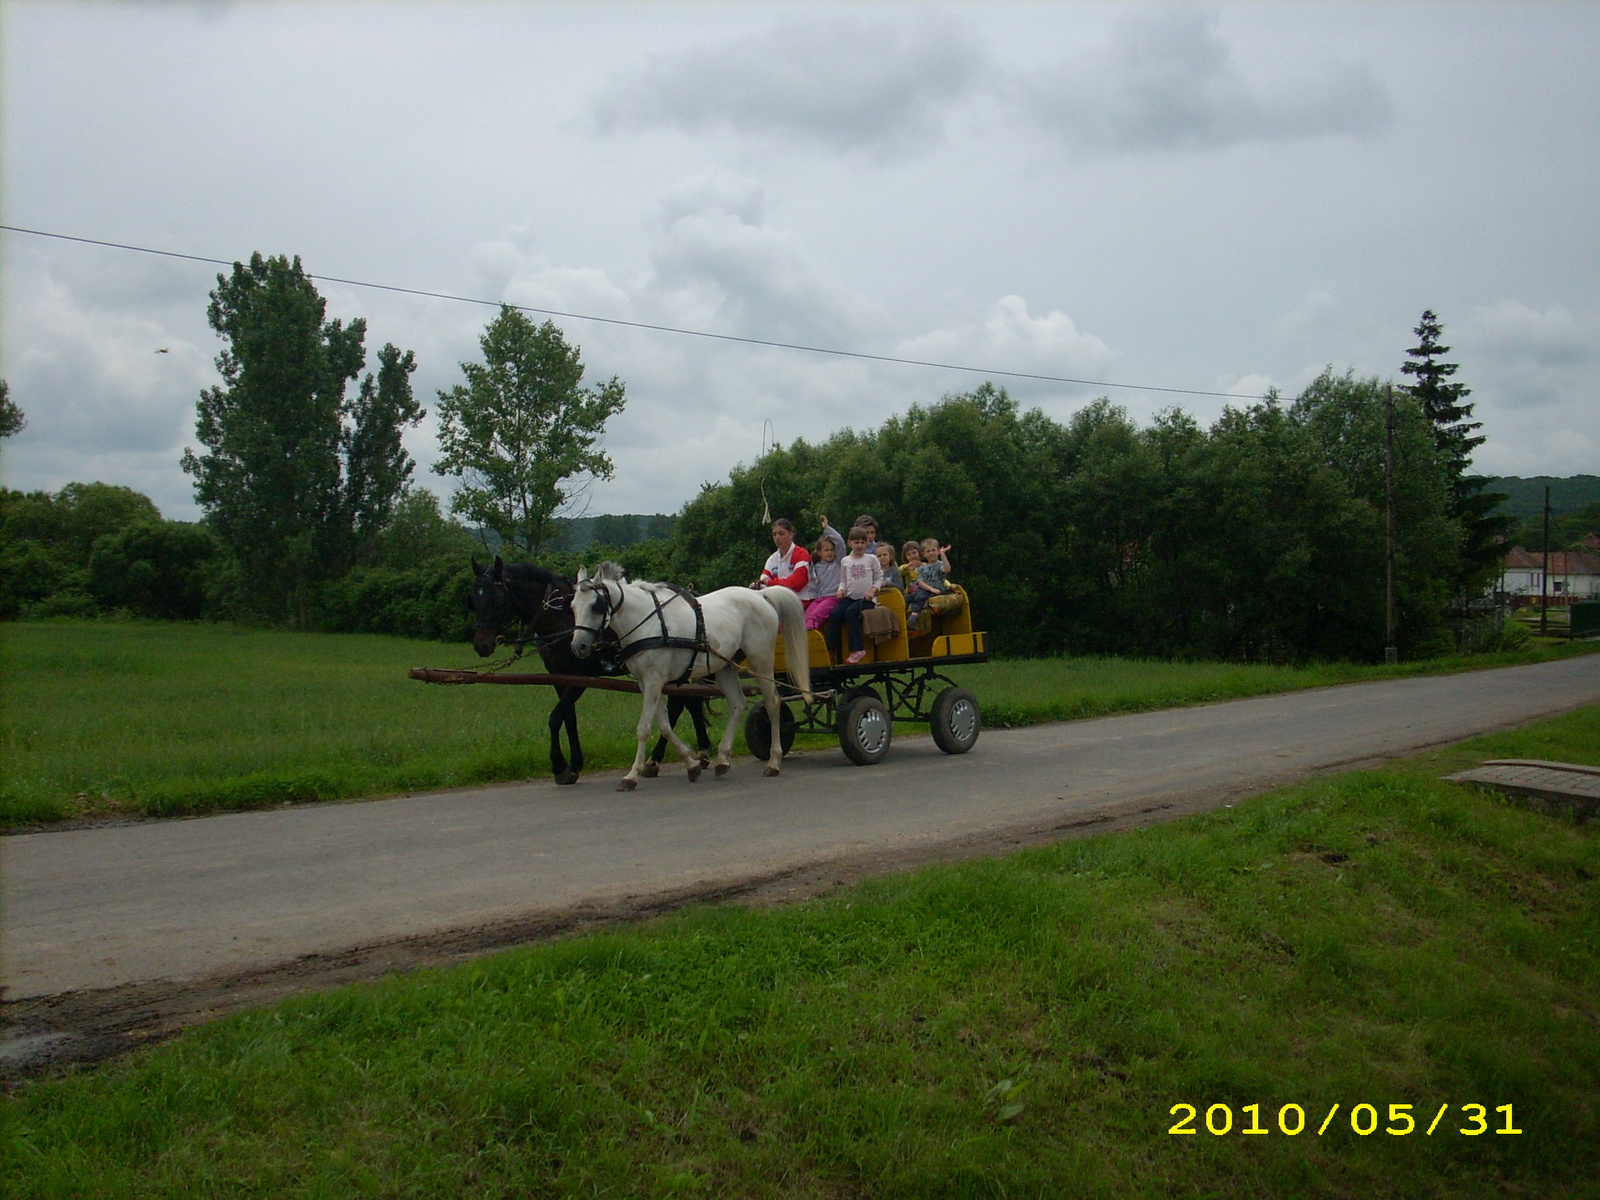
293,469
12,419
522,434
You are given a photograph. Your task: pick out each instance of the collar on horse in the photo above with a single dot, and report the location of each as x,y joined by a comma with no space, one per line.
663,641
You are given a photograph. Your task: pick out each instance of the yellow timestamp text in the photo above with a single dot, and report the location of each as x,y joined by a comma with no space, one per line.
1364,1120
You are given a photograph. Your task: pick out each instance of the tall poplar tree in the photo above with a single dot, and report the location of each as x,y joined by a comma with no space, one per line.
294,469
521,433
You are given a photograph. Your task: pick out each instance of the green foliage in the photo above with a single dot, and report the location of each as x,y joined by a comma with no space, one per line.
1514,635
154,569
1567,529
521,433
612,529
12,418
46,541
288,488
427,601
377,467
1258,539
418,532
1472,504
1525,496
1015,1027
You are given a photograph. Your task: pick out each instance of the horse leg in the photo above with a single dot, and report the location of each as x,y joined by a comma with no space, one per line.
576,746
728,681
649,702
678,744
653,767
702,739
558,761
769,696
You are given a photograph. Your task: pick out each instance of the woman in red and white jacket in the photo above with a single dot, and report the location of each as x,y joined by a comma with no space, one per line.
790,565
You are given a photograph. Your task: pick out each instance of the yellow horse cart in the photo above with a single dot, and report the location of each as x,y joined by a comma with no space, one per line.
899,680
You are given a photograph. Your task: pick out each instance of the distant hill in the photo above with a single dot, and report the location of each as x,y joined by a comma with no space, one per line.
619,530
1526,496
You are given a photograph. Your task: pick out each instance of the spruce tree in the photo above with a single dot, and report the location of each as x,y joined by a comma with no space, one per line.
1444,402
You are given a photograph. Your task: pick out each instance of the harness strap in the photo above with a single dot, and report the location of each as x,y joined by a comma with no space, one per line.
666,641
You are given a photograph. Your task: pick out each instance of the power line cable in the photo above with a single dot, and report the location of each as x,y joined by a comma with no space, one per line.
699,333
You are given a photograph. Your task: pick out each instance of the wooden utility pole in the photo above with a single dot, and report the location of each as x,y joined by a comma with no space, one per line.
1544,572
1391,652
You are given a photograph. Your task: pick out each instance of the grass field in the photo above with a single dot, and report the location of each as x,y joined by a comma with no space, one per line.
108,718
1017,1027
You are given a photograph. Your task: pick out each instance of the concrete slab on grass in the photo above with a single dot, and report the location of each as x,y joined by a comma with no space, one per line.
1547,786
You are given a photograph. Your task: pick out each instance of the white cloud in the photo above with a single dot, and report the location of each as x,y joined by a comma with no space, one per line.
109,394
846,83
1167,81
1535,376
1010,337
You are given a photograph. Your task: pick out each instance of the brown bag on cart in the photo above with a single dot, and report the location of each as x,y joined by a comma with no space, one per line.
880,623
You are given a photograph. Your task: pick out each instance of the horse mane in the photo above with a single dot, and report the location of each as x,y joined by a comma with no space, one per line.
527,575
611,572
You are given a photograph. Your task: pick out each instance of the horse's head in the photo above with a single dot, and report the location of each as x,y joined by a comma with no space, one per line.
594,603
490,602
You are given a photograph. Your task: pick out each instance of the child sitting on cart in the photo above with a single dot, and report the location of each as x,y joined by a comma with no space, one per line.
912,553
891,569
821,593
860,577
930,581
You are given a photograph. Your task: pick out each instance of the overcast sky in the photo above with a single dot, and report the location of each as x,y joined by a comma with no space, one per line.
1216,198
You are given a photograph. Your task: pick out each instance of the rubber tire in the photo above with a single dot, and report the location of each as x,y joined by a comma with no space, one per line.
865,731
955,720
758,730
842,702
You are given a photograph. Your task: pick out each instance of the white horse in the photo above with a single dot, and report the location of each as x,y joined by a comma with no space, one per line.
671,642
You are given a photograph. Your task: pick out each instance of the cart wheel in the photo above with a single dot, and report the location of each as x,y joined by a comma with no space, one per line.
865,730
842,702
954,720
758,731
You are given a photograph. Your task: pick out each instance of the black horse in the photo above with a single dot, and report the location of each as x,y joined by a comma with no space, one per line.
539,602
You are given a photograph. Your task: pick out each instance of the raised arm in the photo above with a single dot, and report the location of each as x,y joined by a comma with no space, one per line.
833,535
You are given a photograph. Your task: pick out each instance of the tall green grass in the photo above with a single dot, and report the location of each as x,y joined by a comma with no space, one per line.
1019,1027
108,717
129,717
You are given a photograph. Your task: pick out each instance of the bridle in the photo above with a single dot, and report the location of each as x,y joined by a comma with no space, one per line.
604,605
552,600
607,607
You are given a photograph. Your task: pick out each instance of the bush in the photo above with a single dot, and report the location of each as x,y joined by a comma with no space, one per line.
30,574
154,568
1514,635
429,601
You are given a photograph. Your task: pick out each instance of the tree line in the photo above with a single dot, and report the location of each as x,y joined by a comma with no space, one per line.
1260,537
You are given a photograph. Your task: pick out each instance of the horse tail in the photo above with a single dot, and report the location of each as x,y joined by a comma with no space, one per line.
792,627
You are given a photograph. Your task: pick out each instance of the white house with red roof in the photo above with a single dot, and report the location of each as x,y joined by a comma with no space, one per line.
1574,575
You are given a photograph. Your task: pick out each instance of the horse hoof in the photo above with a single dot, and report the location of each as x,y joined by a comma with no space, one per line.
694,773
705,761
566,777
650,770
627,785
722,769
770,772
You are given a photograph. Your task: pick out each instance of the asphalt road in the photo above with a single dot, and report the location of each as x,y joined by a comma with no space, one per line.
103,907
